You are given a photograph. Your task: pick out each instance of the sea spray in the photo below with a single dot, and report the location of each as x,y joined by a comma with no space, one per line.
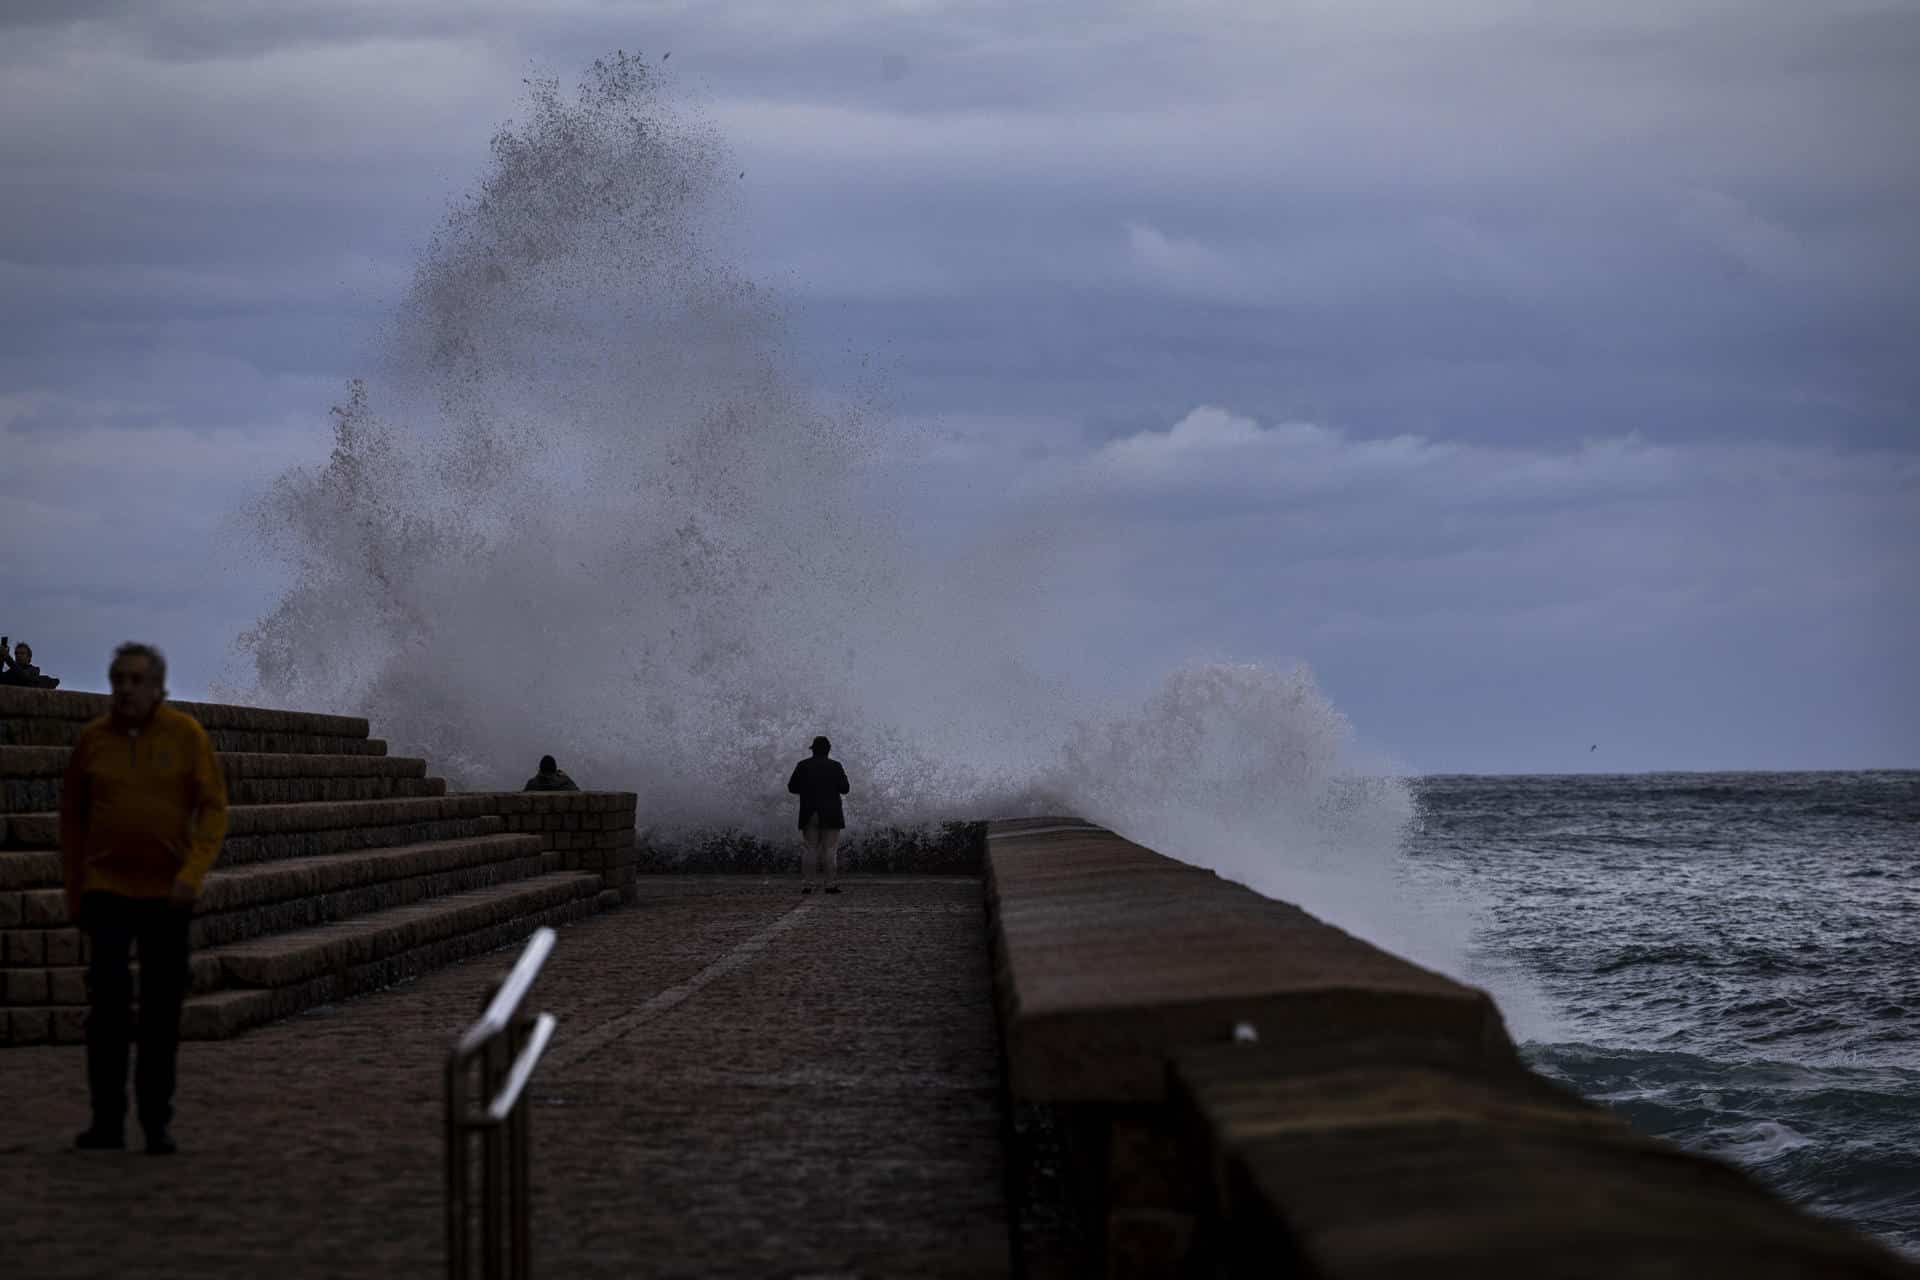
585,505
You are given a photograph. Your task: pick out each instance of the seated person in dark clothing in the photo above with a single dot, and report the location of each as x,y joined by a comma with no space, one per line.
16,668
550,778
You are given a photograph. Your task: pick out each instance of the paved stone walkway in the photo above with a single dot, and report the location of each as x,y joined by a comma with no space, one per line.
745,1082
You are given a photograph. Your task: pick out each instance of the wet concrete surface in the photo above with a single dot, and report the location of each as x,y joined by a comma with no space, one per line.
745,1082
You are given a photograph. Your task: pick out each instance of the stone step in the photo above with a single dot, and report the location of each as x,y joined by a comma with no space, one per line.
295,892
284,959
277,896
249,850
274,829
20,763
333,962
26,796
273,977
61,733
37,866
65,704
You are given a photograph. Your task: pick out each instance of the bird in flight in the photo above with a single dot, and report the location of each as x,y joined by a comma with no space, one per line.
1594,747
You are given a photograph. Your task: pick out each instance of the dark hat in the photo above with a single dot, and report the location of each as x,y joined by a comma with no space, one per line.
821,744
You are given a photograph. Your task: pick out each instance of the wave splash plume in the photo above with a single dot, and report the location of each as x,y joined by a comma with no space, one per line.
587,506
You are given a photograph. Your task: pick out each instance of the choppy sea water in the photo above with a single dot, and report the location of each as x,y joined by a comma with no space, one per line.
1732,961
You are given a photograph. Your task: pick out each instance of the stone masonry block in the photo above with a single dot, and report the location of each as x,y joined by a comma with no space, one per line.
22,869
23,986
66,946
23,947
66,986
12,908
68,1026
30,1026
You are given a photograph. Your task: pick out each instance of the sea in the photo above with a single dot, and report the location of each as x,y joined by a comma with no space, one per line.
1729,960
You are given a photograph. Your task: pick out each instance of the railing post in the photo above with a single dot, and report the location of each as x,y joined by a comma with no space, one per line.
521,1224
456,1146
507,1048
492,1191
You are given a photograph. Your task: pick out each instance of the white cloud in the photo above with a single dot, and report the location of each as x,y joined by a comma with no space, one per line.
1300,539
1212,452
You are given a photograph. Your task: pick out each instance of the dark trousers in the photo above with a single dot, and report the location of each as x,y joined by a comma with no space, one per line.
159,929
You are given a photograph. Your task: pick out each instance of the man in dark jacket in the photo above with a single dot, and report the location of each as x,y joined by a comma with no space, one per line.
550,778
819,782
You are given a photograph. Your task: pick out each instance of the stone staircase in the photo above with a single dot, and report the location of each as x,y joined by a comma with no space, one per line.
344,869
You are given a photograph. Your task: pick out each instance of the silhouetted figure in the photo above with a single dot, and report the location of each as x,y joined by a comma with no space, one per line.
16,668
550,778
819,782
143,809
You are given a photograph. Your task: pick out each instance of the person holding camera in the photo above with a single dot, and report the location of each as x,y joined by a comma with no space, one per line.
16,667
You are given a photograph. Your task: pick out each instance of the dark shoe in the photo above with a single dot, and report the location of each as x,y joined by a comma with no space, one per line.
806,888
160,1143
833,888
98,1139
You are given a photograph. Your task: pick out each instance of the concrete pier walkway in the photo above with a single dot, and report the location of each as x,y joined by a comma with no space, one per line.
745,1082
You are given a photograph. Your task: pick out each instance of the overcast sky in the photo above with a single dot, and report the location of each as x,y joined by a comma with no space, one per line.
1543,376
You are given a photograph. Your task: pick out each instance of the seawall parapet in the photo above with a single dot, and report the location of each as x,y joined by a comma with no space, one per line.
1209,1082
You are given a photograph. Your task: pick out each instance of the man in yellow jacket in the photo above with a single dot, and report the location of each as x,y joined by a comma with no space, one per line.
143,809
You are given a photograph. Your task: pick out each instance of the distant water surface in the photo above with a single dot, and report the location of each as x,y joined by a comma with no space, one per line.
1732,961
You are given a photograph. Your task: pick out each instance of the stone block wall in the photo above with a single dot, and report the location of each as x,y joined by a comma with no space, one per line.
948,849
1205,1082
344,868
590,830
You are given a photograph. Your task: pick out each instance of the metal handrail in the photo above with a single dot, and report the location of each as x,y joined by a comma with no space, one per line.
513,989
507,1048
502,1105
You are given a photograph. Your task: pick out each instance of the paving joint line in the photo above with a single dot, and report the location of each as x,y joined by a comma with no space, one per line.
662,1002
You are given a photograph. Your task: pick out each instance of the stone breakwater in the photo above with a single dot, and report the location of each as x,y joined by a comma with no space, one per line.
1208,1082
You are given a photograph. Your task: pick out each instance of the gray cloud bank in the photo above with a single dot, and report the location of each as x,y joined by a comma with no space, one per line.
1538,377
